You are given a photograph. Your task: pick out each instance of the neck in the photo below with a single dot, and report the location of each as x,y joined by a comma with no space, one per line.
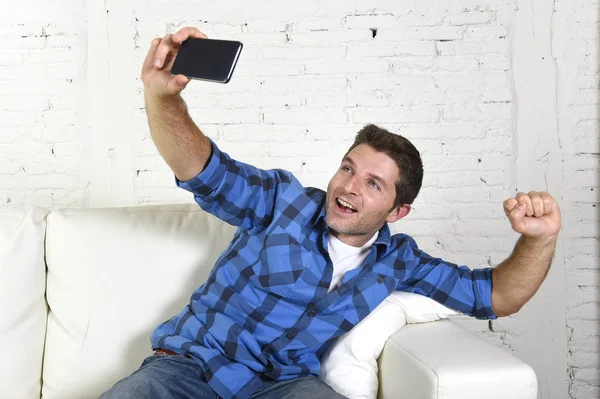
354,240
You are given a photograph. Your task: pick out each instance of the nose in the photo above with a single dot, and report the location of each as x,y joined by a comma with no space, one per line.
350,185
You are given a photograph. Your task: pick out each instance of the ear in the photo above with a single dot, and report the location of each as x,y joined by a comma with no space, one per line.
398,213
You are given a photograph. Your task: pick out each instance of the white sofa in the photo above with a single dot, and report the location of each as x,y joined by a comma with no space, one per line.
81,291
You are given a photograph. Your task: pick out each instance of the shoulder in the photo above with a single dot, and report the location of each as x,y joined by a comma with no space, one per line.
304,205
401,241
405,250
316,194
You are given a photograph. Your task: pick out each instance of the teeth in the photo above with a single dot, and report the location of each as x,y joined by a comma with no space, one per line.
347,205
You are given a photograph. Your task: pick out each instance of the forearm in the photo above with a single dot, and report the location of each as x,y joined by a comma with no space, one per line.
179,141
519,277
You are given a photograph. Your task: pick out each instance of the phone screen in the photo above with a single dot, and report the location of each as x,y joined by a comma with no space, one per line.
207,59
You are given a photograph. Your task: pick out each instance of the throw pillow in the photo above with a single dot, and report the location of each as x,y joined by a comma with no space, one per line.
350,364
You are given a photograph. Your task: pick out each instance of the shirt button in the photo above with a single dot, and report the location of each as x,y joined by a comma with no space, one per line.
289,335
380,279
312,313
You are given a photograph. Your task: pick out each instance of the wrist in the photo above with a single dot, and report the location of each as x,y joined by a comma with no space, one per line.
540,241
153,96
173,104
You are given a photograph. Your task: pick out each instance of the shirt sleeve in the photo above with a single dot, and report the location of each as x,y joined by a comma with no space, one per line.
237,193
457,287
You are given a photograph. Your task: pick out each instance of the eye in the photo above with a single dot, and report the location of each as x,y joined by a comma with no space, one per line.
373,184
346,168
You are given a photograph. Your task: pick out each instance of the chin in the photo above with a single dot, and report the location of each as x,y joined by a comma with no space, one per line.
339,227
333,225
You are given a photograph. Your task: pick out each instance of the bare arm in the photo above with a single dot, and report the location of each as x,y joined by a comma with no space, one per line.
537,217
519,277
180,142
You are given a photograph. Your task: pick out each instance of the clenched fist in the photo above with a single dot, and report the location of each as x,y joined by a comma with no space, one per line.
534,215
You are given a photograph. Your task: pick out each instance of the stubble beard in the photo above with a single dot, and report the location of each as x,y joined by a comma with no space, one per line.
360,228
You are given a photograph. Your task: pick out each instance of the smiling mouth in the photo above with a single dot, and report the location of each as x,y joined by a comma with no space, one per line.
344,206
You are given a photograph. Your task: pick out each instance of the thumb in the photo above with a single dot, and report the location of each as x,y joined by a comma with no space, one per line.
517,217
176,84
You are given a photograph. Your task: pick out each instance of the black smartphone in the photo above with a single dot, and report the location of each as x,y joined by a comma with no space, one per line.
207,59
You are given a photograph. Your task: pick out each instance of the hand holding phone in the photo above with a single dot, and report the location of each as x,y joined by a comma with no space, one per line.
156,70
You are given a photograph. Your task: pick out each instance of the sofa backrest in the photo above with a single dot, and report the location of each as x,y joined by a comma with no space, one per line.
113,275
22,304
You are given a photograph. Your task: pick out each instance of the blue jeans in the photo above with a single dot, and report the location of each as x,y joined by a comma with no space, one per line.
163,376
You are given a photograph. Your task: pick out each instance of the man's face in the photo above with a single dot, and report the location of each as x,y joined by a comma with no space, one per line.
365,182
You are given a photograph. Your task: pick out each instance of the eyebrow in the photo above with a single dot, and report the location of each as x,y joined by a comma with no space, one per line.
373,176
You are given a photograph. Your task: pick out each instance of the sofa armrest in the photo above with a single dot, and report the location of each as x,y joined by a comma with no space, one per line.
441,359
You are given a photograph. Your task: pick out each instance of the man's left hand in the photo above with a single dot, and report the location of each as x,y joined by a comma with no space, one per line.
534,215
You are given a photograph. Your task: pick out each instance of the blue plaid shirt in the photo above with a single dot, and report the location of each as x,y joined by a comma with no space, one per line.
264,313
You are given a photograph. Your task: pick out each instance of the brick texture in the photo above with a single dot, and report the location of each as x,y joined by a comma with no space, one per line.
576,35
74,132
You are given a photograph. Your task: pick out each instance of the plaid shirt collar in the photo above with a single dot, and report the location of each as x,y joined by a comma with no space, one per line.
383,242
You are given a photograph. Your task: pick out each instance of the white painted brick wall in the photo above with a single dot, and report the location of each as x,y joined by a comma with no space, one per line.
448,75
577,31
40,68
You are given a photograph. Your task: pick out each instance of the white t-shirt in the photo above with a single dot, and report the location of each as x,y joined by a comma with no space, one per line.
346,257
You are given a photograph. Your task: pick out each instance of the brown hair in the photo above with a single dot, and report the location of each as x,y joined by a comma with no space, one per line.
403,152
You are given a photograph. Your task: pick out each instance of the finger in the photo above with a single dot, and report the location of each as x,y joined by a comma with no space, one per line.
176,84
185,33
165,46
537,203
149,60
509,205
549,202
517,217
522,197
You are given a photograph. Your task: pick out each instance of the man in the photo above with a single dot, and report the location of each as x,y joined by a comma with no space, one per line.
305,266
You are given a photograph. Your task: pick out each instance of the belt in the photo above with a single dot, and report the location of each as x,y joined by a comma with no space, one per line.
165,351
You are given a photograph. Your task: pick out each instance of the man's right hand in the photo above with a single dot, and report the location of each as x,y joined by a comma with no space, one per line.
156,71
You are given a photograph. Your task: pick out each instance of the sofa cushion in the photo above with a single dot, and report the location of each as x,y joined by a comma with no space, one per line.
113,275
22,304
